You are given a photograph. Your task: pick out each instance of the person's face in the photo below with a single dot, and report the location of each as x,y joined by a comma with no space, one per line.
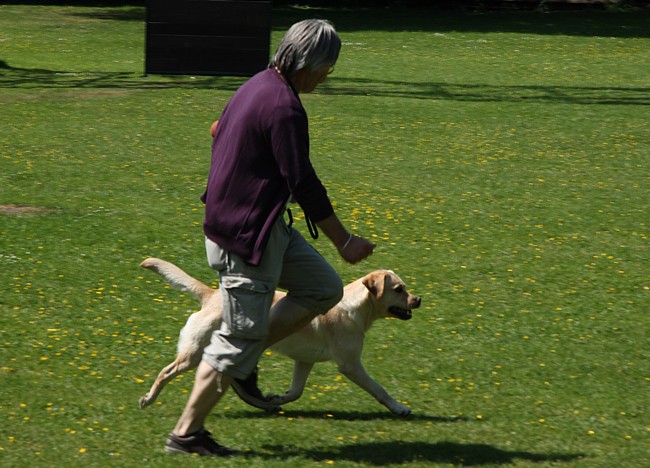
306,81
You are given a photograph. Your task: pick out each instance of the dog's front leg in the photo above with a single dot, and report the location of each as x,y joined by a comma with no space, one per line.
357,374
301,371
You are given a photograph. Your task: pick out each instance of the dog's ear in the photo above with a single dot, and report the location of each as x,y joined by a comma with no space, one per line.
374,282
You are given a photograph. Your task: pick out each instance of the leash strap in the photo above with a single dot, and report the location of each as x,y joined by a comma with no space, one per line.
313,230
290,223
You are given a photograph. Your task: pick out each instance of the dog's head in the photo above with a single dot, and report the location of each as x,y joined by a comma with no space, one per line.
391,295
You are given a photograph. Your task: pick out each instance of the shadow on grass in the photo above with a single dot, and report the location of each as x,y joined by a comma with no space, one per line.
32,78
471,17
347,416
393,453
24,78
398,452
432,19
488,92
134,13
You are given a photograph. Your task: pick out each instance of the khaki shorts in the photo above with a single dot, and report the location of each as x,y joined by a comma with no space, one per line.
290,263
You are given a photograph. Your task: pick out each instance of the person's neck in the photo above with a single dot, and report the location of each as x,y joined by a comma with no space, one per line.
286,80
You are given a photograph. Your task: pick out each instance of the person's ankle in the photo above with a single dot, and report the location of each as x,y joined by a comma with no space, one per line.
184,432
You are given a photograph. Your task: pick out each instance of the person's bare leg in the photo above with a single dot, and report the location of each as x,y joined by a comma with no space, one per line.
286,317
209,386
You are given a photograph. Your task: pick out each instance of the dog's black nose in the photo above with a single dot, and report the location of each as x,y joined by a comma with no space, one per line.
418,301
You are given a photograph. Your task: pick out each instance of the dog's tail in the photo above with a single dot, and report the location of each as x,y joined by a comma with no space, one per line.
178,279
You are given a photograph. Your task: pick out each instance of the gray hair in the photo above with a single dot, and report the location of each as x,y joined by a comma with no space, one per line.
310,44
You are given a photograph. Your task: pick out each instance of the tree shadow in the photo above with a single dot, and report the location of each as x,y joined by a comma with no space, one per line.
486,92
436,20
31,78
25,78
132,13
397,452
434,16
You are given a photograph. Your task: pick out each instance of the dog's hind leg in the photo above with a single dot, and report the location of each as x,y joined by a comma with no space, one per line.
301,371
181,364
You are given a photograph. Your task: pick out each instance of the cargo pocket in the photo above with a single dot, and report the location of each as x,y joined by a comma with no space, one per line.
217,257
246,304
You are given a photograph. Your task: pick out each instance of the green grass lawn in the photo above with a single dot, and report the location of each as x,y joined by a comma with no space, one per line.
500,162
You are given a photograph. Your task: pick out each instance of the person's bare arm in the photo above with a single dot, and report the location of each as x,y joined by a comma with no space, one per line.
352,248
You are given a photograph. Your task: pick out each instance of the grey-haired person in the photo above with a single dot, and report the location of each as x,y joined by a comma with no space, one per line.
260,161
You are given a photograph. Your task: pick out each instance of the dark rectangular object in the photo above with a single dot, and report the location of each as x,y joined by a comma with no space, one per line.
207,37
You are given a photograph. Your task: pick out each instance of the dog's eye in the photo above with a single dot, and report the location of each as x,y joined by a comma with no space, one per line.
399,289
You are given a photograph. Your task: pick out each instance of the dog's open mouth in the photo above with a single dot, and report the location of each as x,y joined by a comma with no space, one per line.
402,314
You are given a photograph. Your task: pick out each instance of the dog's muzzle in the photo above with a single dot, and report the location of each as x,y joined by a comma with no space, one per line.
405,314
402,314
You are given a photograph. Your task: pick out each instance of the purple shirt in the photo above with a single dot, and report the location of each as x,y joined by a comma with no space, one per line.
260,158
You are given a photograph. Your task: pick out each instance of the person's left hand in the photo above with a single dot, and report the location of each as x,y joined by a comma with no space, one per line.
356,249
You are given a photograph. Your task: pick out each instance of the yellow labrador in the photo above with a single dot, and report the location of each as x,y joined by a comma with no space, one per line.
336,336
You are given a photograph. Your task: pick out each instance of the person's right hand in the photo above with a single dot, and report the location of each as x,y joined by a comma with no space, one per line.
356,249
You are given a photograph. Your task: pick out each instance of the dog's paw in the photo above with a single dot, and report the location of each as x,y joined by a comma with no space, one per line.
148,262
400,410
275,399
144,402
405,414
